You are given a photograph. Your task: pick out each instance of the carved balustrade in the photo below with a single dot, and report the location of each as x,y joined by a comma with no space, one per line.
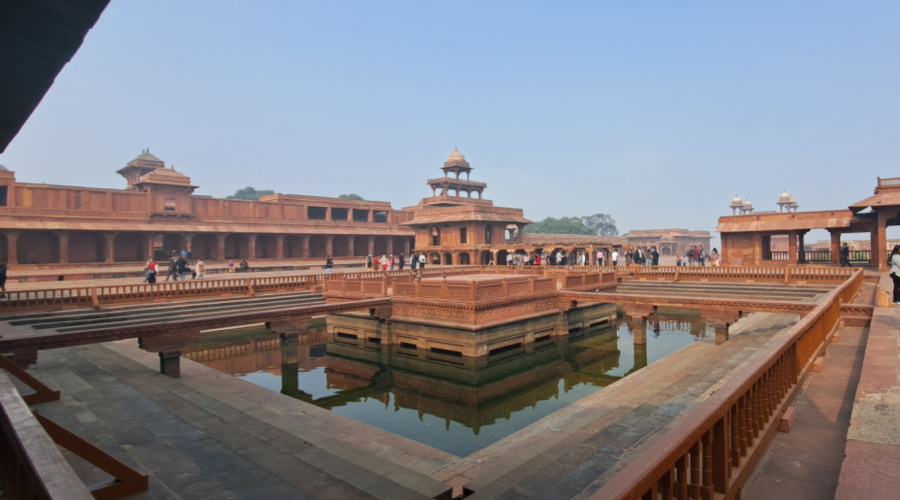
713,452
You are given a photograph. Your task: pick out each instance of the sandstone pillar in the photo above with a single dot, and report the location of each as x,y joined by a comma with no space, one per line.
792,247
879,243
835,247
279,246
304,245
801,247
251,246
390,245
188,241
63,237
150,245
639,330
220,240
12,238
170,363
110,248
329,245
721,321
371,244
289,378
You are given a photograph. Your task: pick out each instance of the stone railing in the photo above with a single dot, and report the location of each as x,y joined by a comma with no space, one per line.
473,291
810,274
712,452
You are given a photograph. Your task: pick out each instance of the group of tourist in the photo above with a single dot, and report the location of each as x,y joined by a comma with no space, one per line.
389,263
180,267
697,256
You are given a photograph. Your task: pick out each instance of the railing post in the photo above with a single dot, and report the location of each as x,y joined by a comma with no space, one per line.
787,275
249,284
95,300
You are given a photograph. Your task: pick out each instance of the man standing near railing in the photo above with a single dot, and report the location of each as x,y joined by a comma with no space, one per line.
845,255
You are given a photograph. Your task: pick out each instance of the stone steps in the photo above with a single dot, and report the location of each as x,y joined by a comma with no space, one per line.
73,321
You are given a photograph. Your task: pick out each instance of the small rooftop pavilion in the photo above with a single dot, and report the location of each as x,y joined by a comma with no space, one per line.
746,238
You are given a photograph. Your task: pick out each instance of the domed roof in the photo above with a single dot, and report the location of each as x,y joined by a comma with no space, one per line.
784,198
456,155
747,203
147,156
3,169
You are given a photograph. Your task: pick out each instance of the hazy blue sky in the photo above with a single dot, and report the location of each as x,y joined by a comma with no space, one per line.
656,113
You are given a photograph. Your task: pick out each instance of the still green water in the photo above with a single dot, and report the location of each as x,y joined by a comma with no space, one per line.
451,407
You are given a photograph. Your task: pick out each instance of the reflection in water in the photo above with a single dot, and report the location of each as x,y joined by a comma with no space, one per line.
451,404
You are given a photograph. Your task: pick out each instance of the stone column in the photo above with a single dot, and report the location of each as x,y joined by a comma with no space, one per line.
63,237
289,379
407,246
110,249
220,239
792,247
801,250
150,245
170,363
279,246
639,329
835,247
188,241
721,320
304,245
371,245
879,243
251,246
12,238
390,245
329,245
328,213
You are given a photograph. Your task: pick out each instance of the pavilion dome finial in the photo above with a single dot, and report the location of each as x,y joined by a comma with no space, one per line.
456,155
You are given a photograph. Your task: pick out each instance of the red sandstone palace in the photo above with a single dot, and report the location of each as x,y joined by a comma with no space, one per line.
157,212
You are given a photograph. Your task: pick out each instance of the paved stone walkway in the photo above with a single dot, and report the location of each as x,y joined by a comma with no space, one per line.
806,462
209,435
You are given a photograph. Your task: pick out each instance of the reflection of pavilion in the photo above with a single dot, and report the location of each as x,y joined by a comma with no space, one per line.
471,395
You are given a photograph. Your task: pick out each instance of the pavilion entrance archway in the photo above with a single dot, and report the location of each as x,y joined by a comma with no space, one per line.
463,258
380,246
360,246
448,259
501,257
486,257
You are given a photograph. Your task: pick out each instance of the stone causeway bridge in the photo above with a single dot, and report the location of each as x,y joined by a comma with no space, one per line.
773,327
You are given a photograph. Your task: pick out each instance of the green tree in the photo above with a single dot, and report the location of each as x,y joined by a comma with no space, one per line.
564,225
602,224
248,193
351,196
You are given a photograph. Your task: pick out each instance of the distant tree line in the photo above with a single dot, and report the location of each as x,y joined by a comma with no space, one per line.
249,193
588,225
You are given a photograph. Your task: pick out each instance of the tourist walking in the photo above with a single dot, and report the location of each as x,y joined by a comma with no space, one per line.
422,261
615,258
655,255
714,256
230,266
244,266
400,261
894,261
845,255
181,266
369,261
173,271
2,279
383,262
328,265
199,270
152,268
